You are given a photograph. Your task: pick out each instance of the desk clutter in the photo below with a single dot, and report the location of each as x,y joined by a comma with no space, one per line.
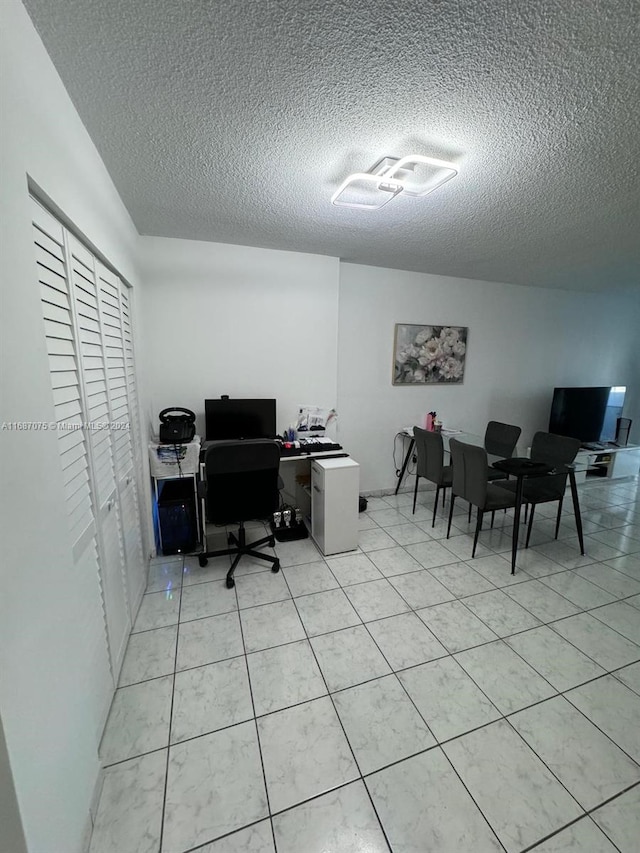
311,444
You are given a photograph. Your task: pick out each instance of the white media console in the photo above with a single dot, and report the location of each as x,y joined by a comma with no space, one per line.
611,463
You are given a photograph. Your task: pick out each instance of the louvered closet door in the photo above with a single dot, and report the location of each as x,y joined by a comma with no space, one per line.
93,362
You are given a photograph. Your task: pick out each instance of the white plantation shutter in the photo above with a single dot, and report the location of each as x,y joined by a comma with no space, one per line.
57,311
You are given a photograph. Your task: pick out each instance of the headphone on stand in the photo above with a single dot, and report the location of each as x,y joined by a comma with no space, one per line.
177,425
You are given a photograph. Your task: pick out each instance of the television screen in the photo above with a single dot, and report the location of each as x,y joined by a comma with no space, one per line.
589,414
229,418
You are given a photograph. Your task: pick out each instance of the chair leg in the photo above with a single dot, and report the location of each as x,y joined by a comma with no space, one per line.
558,517
526,511
453,500
478,529
435,507
530,525
444,494
415,493
470,508
493,515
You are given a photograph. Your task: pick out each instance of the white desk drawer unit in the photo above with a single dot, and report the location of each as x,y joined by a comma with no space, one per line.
335,484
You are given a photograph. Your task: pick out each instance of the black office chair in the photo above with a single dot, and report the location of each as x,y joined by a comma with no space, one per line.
555,450
241,484
430,453
500,440
471,483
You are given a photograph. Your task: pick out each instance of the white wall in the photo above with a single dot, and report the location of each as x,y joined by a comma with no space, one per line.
218,319
53,660
522,342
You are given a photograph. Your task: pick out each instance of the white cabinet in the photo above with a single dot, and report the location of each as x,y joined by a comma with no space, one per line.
612,463
335,485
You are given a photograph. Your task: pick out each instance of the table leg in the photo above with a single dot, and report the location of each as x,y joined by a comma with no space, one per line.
516,523
405,462
576,509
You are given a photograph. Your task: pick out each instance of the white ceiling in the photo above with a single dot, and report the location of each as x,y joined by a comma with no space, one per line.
235,121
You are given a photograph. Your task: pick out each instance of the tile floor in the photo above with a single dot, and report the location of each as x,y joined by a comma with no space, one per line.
403,697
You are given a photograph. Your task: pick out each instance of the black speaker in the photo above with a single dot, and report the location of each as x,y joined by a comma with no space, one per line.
623,428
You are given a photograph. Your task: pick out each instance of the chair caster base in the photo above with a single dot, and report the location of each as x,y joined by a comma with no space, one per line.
202,562
230,583
276,567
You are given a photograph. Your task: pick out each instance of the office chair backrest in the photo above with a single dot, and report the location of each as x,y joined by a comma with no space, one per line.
430,452
556,450
242,480
501,439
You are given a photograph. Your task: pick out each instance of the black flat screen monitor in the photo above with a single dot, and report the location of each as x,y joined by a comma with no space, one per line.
229,419
588,414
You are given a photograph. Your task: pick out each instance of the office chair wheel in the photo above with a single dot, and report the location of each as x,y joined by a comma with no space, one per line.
202,561
230,583
276,566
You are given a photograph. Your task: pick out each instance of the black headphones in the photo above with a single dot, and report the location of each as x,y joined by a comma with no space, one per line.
177,428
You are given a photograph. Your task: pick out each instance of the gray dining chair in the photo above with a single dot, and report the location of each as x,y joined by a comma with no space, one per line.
470,482
500,440
430,465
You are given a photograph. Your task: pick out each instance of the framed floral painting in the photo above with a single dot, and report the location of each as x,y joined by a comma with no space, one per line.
429,355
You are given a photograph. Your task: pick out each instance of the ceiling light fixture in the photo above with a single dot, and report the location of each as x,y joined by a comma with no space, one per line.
414,175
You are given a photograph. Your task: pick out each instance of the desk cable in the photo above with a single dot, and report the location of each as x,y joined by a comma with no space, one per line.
411,466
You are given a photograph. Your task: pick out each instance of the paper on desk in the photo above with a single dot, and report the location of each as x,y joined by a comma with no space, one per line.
312,418
452,431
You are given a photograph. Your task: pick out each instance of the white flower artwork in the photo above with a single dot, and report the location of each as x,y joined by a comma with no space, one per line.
429,355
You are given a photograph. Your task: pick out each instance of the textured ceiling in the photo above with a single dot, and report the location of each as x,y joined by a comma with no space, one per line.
235,122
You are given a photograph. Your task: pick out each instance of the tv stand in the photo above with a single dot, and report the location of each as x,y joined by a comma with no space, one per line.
610,462
593,445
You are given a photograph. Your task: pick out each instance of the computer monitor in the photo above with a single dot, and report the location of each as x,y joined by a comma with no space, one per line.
228,418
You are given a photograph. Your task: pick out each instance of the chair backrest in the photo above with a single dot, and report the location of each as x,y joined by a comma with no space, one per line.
501,439
556,450
430,453
457,463
470,472
241,480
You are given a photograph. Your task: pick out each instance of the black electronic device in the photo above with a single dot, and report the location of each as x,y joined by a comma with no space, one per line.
177,516
177,425
588,414
623,428
227,418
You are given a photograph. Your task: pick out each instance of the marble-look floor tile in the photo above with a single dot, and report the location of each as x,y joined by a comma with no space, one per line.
423,806
214,786
305,753
620,820
554,658
587,762
348,657
613,708
381,723
206,599
518,795
598,641
271,625
342,820
129,815
157,610
324,612
309,578
374,539
461,579
634,601
497,569
628,565
630,675
138,720
507,680
165,576
405,640
298,552
581,837
365,523
567,556
456,626
262,588
209,640
421,589
432,554
579,591
545,604
149,655
353,568
210,697
375,600
500,613
622,617
257,838
462,546
284,676
534,564
617,539
617,583
394,561
215,570
386,517
407,533
438,531
447,698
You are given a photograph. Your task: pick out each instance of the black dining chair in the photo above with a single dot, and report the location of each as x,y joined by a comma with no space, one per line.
500,440
470,482
430,466
554,450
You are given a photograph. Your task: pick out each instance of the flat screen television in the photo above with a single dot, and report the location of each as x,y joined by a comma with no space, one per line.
589,414
228,418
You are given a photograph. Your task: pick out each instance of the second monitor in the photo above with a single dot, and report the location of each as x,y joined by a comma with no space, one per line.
229,419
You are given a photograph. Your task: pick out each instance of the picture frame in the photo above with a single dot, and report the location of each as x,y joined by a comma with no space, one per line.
429,354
